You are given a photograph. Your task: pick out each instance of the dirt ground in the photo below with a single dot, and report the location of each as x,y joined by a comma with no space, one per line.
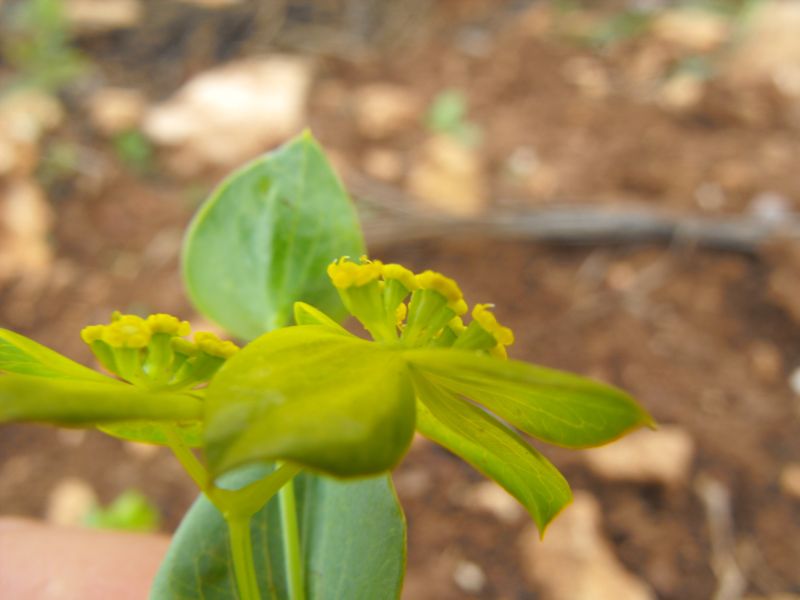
700,337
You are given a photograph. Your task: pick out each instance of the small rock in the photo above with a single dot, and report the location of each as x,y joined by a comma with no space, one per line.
588,75
227,115
412,483
490,497
92,16
681,92
449,177
783,284
663,456
766,360
575,561
25,117
141,451
25,221
469,577
790,480
691,30
794,381
710,196
383,164
770,207
769,50
31,112
18,470
735,175
69,502
385,109
528,170
115,110
646,67
24,211
71,437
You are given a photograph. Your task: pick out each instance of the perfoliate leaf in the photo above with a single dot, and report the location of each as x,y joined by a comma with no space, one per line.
559,408
265,237
493,449
80,403
311,396
21,355
352,535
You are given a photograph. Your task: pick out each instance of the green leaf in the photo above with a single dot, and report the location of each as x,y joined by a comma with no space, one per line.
149,432
493,449
311,396
265,238
19,354
557,407
81,403
305,314
352,537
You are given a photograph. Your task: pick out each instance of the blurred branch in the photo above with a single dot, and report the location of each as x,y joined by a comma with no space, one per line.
391,215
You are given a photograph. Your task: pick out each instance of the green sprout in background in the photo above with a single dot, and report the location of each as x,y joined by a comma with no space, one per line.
448,115
37,46
134,150
291,438
130,511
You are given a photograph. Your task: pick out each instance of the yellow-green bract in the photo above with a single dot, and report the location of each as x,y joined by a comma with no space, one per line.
319,396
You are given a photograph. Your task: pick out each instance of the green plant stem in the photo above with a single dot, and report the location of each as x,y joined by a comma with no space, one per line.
291,543
242,554
186,457
239,506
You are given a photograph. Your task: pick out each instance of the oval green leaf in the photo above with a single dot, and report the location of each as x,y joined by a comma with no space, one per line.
557,407
265,238
352,538
312,396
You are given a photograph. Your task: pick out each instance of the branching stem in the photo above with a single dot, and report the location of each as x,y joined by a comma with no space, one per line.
186,457
238,508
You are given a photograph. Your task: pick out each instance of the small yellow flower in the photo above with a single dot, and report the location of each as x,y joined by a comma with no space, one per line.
431,280
163,323
212,345
127,331
345,273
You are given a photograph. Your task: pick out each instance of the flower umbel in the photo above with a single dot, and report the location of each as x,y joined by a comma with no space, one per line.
153,353
416,310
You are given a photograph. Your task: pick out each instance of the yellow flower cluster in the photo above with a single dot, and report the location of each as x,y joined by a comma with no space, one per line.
152,352
376,293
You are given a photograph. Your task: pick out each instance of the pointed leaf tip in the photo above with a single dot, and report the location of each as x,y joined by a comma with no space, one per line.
556,407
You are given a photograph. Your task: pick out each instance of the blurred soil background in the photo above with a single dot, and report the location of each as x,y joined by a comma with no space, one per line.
620,178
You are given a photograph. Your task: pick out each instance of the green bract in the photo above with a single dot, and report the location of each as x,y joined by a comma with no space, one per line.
316,395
